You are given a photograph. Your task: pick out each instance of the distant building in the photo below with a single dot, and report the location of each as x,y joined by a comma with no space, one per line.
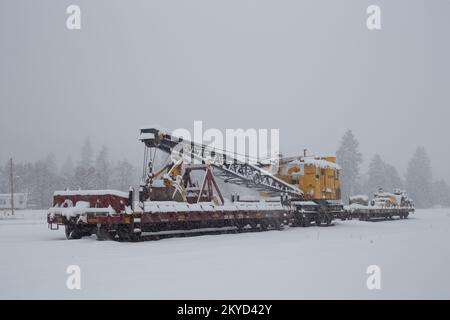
20,200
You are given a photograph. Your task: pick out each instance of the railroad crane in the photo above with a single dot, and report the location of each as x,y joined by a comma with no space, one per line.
310,185
303,190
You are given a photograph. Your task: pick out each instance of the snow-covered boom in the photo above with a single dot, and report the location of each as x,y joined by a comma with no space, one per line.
232,169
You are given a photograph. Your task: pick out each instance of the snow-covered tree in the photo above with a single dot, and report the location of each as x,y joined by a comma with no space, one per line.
376,175
3,179
67,173
441,193
394,181
124,175
85,175
44,181
87,154
102,168
382,175
23,177
419,180
349,159
84,178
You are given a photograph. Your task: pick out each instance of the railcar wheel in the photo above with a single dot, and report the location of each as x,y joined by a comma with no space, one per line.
240,226
306,222
263,226
104,234
277,225
72,232
135,236
318,220
124,233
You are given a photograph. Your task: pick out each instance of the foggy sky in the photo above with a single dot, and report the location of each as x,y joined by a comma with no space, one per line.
310,68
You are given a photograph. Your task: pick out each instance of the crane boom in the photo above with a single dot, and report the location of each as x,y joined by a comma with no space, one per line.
231,169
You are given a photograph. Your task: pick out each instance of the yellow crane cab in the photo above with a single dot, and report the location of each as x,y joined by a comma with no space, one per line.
317,177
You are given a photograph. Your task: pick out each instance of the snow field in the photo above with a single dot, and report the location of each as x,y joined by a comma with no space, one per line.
297,263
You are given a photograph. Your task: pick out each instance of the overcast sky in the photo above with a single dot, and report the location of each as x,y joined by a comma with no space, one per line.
310,68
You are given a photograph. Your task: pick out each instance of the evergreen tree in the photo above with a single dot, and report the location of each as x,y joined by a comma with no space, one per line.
24,174
382,175
419,180
67,173
3,179
394,181
441,193
44,181
124,175
349,159
377,175
87,154
85,175
84,178
102,168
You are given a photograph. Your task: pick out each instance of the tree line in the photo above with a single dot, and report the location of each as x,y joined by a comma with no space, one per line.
93,170
418,180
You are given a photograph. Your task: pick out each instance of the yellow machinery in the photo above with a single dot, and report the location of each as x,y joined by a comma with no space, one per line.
317,177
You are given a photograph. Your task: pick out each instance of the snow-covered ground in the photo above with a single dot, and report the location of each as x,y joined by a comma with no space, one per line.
325,262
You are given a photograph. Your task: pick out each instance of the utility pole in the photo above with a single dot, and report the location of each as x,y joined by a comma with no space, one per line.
12,185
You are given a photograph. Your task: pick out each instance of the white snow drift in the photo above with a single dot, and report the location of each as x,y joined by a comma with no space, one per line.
315,262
